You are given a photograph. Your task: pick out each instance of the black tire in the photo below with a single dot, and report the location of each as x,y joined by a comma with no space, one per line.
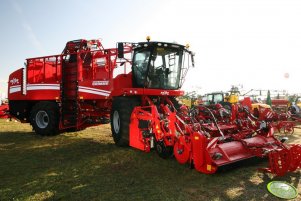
44,118
162,150
122,108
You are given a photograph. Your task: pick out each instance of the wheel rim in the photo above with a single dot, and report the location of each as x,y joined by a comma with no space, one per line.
116,122
42,119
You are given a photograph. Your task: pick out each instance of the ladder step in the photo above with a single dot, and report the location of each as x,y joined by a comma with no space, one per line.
70,73
69,95
69,81
69,67
69,89
70,98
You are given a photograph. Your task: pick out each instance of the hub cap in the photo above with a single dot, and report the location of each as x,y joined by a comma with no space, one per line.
42,119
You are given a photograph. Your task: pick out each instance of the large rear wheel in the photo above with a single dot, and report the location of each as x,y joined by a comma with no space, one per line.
44,118
120,119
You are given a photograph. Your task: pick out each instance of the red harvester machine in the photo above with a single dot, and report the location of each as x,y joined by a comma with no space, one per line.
81,88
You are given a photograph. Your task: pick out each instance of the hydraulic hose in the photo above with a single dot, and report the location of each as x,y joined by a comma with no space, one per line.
249,113
215,122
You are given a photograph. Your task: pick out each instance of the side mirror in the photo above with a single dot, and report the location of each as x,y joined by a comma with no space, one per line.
120,49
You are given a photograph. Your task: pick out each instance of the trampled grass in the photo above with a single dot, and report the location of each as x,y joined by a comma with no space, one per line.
86,165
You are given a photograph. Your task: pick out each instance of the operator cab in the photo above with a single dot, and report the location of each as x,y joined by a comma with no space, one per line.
158,65
213,98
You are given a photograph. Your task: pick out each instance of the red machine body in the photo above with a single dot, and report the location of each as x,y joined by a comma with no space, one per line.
81,81
210,143
134,86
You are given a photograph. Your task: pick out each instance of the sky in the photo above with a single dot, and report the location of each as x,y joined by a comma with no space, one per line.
248,43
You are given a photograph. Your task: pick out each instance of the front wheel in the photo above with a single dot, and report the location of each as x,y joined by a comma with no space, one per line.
120,119
44,118
162,150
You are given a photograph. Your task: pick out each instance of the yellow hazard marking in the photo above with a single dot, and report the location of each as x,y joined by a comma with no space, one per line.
209,167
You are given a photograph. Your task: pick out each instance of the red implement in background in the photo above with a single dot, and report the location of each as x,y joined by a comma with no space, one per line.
4,111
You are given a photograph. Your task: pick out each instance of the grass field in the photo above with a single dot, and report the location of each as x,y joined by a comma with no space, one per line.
86,165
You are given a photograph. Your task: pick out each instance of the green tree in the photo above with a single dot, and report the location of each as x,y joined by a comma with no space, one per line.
269,101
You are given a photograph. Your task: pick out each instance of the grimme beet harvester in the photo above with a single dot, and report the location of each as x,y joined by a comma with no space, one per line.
81,87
